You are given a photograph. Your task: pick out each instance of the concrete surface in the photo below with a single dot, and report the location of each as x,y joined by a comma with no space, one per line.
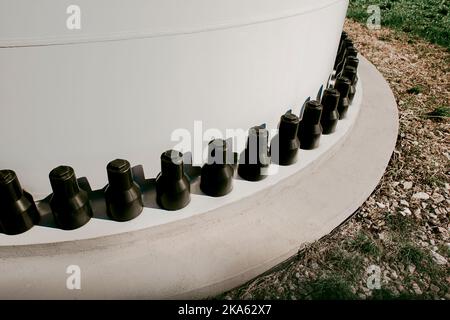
221,249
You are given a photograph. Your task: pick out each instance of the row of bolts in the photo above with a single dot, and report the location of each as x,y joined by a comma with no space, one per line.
70,204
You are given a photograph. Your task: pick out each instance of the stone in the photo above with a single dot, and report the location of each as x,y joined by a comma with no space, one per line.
380,205
407,212
404,203
421,196
432,215
437,198
411,268
440,260
434,288
417,213
416,289
423,236
423,244
407,185
386,279
371,201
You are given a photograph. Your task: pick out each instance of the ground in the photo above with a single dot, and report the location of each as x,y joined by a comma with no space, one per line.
425,18
403,227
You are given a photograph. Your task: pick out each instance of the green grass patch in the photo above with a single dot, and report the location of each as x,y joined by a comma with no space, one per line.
410,254
428,19
330,288
434,180
348,265
440,113
365,244
386,294
400,224
415,90
444,250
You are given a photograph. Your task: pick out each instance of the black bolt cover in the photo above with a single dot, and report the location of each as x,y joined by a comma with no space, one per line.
348,42
351,52
351,74
340,60
217,174
330,115
69,203
341,49
344,36
343,86
284,146
352,62
255,159
123,196
346,49
310,129
173,189
342,43
18,212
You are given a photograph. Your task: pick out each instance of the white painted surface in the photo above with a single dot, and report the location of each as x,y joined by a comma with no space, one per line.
85,104
200,204
218,250
28,22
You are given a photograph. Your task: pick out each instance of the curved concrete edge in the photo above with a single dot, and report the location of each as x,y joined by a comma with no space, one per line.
339,184
217,251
